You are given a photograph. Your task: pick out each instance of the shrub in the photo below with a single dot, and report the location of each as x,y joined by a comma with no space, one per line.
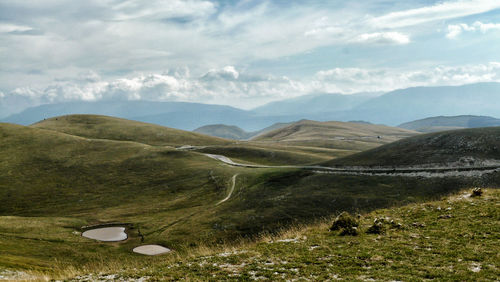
346,223
377,227
477,192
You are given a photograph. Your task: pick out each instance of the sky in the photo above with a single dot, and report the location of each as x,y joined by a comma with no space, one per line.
239,53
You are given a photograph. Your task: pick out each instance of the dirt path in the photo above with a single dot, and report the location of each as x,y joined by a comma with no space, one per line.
230,191
441,171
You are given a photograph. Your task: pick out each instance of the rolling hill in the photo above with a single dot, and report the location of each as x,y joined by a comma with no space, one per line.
234,132
181,115
61,174
104,127
465,146
334,134
224,131
441,123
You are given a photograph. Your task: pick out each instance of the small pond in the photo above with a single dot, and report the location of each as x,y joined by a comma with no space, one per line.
151,250
106,234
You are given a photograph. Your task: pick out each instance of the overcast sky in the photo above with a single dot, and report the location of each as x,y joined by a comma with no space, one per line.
241,53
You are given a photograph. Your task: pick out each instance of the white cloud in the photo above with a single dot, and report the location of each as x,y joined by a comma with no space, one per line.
383,38
351,80
158,9
8,27
441,11
454,30
130,43
223,86
245,90
485,27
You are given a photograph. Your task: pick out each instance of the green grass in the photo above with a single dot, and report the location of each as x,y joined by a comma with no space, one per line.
53,183
432,148
334,134
454,238
104,127
275,154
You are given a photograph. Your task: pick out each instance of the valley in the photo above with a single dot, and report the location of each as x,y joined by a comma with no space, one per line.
185,191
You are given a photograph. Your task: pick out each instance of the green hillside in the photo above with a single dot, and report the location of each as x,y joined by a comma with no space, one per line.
464,146
53,183
335,134
454,239
104,127
442,123
234,132
224,131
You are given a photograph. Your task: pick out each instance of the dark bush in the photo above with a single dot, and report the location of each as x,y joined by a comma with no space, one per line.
477,192
346,223
377,227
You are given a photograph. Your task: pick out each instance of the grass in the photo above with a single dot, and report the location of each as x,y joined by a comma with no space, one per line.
53,183
432,148
333,134
104,127
453,238
275,154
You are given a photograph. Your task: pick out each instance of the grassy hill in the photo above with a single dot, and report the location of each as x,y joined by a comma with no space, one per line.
335,134
309,142
443,123
432,148
234,132
224,131
104,127
53,183
453,238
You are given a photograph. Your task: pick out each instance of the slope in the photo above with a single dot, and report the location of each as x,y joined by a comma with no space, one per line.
104,127
224,131
451,239
234,132
334,134
182,115
441,123
52,183
467,146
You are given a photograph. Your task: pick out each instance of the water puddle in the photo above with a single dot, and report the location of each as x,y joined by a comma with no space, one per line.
151,250
106,234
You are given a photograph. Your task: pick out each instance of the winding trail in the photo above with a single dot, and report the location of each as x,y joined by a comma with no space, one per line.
230,191
437,171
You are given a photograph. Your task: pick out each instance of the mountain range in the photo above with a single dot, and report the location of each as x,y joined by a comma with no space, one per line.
393,108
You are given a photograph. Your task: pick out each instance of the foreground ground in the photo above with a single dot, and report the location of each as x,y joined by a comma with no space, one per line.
455,238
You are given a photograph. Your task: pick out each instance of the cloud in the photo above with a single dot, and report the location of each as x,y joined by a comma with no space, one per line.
226,86
10,28
231,86
351,80
383,38
441,11
158,9
227,73
454,30
241,53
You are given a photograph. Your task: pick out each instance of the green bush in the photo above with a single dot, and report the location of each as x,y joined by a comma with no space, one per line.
377,227
346,223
